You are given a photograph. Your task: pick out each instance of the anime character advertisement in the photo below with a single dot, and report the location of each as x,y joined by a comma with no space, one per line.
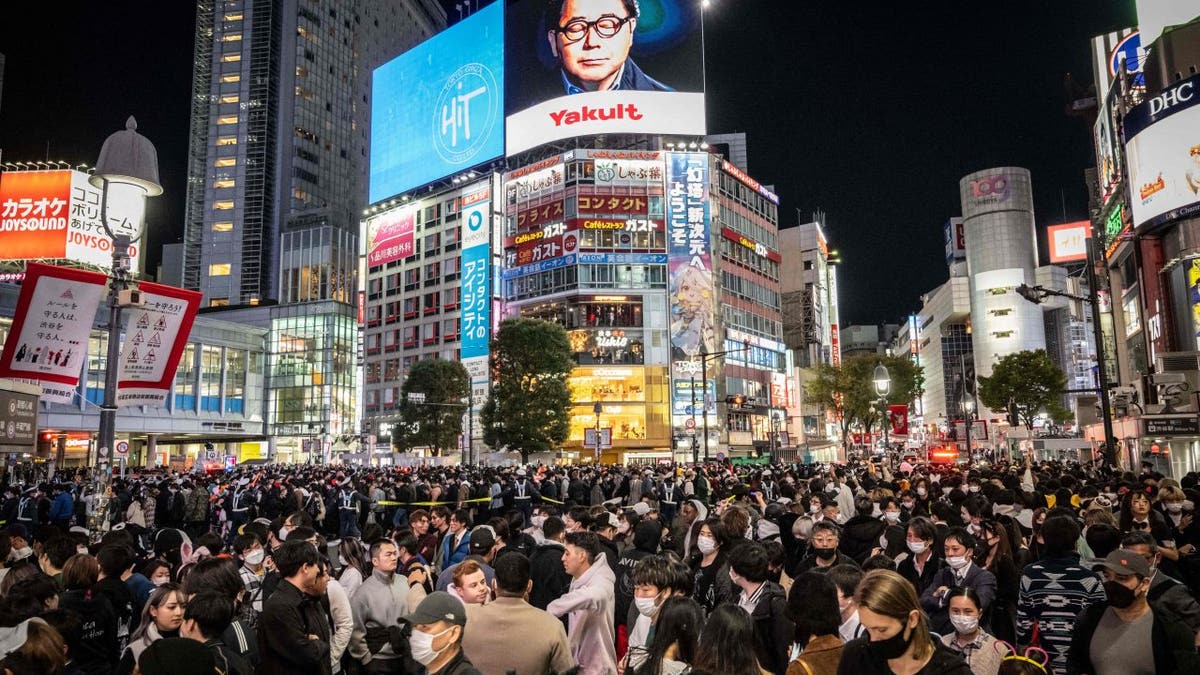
692,292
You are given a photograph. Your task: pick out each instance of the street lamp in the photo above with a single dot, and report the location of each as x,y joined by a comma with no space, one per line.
968,407
126,173
883,384
704,358
597,409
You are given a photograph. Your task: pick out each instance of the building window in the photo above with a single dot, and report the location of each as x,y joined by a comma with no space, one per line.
223,205
227,119
231,58
230,98
220,269
233,16
185,376
231,37
223,183
226,140
222,226
225,161
218,302
231,78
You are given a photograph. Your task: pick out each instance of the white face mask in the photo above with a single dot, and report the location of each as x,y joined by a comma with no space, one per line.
646,606
965,624
922,491
256,556
1174,507
917,547
623,527
421,644
538,521
82,550
957,562
159,581
974,488
706,545
892,516
814,508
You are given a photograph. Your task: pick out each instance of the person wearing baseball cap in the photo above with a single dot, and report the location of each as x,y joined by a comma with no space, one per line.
436,639
1126,635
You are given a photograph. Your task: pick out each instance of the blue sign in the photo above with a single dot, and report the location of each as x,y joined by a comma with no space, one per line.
624,258
475,302
439,107
1129,50
551,264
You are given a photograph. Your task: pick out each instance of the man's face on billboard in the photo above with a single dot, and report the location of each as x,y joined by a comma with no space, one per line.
592,41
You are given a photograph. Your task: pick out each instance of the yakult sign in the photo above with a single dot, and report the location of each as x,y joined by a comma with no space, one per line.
55,215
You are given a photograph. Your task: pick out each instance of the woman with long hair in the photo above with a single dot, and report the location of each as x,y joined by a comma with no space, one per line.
898,637
43,651
813,609
981,651
161,618
676,638
355,566
727,644
711,569
998,559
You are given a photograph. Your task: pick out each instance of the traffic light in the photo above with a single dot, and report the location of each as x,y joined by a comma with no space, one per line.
736,400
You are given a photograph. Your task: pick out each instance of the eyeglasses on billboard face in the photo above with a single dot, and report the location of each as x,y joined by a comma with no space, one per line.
605,27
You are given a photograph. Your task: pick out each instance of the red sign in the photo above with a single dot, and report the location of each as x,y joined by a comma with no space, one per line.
390,235
749,182
1068,242
612,204
34,213
538,216
898,414
539,250
749,243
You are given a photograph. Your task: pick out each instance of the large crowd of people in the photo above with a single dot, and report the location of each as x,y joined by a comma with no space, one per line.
710,569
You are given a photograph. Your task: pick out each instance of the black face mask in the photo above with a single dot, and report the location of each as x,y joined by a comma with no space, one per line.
1119,595
825,553
893,647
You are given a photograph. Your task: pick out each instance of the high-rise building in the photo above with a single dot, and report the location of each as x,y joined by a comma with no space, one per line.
277,184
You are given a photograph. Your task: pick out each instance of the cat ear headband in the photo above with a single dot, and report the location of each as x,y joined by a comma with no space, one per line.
1030,655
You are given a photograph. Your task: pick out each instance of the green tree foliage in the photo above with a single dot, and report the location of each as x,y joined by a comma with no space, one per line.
850,388
438,422
529,407
1031,381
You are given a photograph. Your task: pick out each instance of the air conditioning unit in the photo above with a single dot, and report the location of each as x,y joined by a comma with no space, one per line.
1177,374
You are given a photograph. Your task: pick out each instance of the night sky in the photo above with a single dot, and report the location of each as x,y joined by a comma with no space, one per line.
868,113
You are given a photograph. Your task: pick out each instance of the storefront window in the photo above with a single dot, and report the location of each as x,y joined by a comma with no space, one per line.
607,345
600,313
185,380
607,384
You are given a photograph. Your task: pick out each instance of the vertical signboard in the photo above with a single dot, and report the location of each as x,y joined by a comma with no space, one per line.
155,336
475,319
18,420
48,342
691,290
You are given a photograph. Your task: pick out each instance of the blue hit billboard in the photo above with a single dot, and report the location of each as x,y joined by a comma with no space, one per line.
439,108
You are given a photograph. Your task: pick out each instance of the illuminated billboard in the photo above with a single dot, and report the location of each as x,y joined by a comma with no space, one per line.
1068,242
55,215
438,108
1162,147
579,68
390,235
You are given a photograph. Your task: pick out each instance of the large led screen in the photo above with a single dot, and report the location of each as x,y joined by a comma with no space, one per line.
1162,149
584,67
439,108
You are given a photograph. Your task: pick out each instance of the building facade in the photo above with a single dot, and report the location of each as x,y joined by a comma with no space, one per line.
277,182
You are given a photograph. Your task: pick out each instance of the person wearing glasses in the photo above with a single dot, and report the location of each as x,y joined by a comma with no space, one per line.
591,40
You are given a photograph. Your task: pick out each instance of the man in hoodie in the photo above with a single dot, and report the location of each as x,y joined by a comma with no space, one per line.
116,562
766,603
590,605
378,604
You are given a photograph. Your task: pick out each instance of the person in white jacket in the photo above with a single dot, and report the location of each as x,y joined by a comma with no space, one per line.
590,604
342,624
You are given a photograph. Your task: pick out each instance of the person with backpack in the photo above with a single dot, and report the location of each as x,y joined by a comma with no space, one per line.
195,509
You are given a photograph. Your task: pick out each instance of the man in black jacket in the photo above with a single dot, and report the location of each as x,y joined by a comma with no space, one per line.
207,615
293,633
766,603
550,578
1126,633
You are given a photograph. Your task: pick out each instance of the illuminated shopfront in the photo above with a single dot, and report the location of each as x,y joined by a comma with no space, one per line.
634,404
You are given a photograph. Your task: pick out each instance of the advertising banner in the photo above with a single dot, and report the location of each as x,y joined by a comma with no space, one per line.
18,420
533,181
602,70
56,215
956,240
614,204
690,287
48,341
1068,242
476,291
685,388
390,235
155,336
898,414
438,108
1162,147
539,216
627,172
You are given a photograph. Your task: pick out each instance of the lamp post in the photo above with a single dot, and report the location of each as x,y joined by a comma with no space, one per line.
597,409
968,407
883,384
704,358
126,173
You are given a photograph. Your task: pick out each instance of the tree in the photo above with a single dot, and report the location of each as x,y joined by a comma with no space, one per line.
850,388
530,404
437,422
1029,381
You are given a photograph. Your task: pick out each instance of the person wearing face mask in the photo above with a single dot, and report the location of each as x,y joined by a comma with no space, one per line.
982,652
924,561
861,533
293,631
766,603
253,557
1180,519
646,537
826,536
439,623
712,585
845,580
1166,594
522,494
654,580
898,637
960,571
1126,635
